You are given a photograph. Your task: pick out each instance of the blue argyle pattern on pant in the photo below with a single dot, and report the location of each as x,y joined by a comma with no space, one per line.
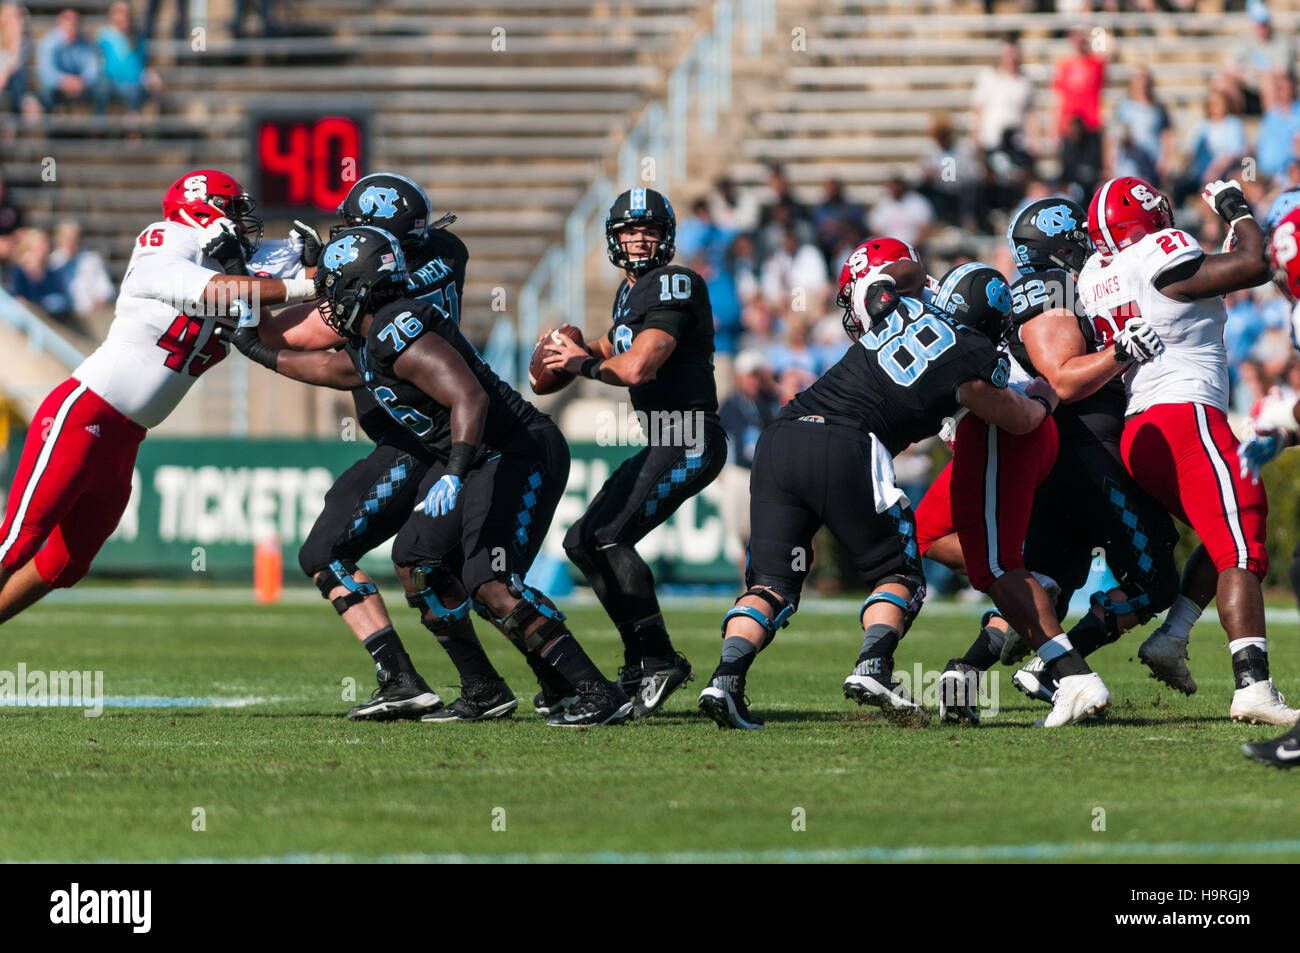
906,523
1129,518
524,518
693,461
375,498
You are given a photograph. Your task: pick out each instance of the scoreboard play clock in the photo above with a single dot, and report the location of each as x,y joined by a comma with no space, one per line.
306,161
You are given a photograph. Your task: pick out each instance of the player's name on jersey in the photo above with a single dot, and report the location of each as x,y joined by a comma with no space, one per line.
626,427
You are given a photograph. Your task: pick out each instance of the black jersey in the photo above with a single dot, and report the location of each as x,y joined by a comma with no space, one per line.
676,300
1099,416
437,270
393,329
900,380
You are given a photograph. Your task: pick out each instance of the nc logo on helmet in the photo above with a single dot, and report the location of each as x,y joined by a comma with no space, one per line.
379,201
999,295
1054,220
339,253
622,338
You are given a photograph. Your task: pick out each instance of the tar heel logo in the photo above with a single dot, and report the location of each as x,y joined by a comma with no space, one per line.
379,201
103,907
340,252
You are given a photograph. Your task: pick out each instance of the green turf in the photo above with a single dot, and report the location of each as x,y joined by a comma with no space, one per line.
292,777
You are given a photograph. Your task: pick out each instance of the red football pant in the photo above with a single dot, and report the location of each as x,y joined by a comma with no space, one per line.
994,476
1185,456
72,485
934,512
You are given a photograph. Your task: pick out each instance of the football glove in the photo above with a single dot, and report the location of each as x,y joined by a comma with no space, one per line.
1257,450
441,498
1227,200
1137,342
1275,412
220,241
304,240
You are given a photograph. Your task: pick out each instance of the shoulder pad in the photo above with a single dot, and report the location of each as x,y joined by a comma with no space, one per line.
1158,252
398,324
1037,292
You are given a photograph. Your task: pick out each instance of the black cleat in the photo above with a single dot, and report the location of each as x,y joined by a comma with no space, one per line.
1283,752
959,689
599,703
659,681
479,701
399,695
550,704
629,678
723,700
872,682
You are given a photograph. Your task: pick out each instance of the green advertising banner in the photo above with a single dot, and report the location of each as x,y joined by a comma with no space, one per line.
201,505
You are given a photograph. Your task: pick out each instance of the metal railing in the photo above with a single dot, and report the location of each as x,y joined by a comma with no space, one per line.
654,152
41,338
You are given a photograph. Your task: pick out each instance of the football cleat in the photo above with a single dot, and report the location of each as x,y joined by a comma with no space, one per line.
872,682
399,695
723,700
1262,704
959,689
1033,681
629,678
1166,655
1014,648
1281,752
479,701
657,685
550,704
1077,698
599,703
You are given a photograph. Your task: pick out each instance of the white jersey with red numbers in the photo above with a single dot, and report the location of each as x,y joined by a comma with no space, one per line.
1193,368
160,340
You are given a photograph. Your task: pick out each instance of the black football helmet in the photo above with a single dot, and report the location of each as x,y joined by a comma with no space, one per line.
641,207
388,201
1050,233
361,269
977,296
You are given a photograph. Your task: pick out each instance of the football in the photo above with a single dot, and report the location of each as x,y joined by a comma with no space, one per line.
543,380
908,275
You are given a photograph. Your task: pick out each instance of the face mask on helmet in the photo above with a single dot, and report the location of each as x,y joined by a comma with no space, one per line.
361,270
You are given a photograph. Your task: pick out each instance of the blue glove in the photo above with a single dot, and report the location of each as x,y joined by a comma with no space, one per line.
442,497
1257,451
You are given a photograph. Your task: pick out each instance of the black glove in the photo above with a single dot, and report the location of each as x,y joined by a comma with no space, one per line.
221,242
249,344
305,236
1227,199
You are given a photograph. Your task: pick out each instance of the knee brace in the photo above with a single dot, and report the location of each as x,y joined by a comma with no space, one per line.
427,579
530,607
911,606
1112,610
781,612
339,573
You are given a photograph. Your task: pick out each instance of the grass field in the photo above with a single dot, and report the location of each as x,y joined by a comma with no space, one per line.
281,775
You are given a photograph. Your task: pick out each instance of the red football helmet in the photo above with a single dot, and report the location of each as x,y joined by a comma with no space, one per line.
1284,254
1123,212
205,195
872,253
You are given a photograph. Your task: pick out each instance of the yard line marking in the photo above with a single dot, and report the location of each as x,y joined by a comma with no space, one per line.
870,854
163,701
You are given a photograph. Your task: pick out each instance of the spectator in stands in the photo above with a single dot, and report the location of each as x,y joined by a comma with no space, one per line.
1080,160
1249,62
731,208
1278,127
1002,102
744,414
1218,141
180,26
784,211
1078,83
15,51
828,217
30,279
11,220
901,213
1144,119
80,270
67,66
951,174
795,348
703,245
791,382
123,50
794,275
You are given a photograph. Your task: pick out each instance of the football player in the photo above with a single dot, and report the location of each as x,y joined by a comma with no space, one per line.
371,500
827,460
1176,442
186,278
660,347
500,468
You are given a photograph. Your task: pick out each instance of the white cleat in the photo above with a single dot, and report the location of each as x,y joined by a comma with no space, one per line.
1078,697
1031,680
1166,655
1262,704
